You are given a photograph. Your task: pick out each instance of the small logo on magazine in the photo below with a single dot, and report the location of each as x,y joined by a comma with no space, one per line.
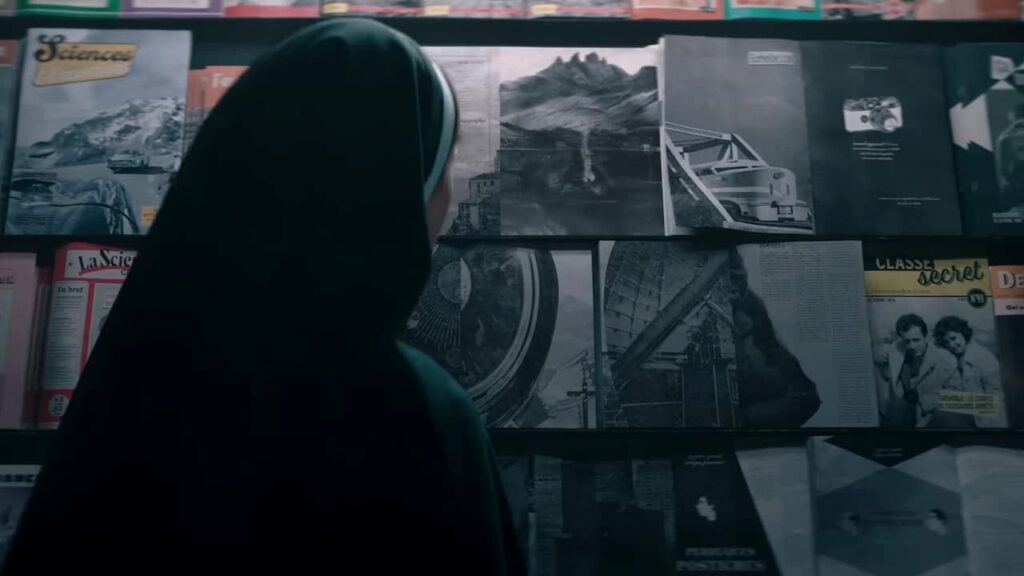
63,62
1001,67
771,58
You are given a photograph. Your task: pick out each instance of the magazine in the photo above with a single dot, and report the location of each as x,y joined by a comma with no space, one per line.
1008,301
786,9
172,8
100,129
778,136
86,281
371,8
17,304
559,141
577,8
967,10
878,497
271,8
985,85
8,100
104,8
16,482
515,327
475,8
868,10
934,339
678,9
990,471
758,335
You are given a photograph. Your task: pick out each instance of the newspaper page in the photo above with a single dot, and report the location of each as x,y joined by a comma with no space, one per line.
86,281
17,303
603,516
1008,299
934,340
778,480
993,505
100,128
16,482
877,497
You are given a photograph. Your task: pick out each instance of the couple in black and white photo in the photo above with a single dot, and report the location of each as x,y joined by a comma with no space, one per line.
916,368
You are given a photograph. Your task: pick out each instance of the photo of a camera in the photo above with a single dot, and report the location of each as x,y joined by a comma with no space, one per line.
883,114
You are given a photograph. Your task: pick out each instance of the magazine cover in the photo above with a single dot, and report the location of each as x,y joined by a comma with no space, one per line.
868,10
878,497
967,9
678,9
786,9
100,129
777,477
8,7
555,141
934,340
879,139
172,8
1008,300
603,517
17,303
272,8
718,527
990,471
475,8
8,101
734,138
96,8
16,482
372,8
985,84
760,335
514,326
40,321
578,8
86,280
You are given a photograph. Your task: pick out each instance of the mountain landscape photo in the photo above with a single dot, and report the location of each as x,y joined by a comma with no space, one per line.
579,142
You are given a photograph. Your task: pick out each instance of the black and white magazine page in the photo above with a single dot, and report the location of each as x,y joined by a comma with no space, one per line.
803,347
879,139
475,206
16,483
735,136
667,336
887,505
777,476
579,142
991,473
603,517
760,335
514,326
718,526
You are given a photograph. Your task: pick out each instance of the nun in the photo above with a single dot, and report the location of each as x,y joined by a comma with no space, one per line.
248,408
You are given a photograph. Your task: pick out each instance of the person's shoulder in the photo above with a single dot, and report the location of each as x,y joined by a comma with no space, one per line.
942,357
446,396
981,356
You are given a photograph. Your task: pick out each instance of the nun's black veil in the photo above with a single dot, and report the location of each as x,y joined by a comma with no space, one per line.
247,407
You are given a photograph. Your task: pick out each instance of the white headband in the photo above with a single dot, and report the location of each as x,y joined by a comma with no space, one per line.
447,135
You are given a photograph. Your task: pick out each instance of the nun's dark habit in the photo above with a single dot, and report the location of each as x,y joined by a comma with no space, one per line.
247,408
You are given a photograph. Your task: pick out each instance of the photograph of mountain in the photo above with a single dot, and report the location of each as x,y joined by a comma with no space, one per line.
578,151
97,143
514,326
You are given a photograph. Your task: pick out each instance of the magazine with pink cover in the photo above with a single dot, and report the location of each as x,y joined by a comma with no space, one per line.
86,280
